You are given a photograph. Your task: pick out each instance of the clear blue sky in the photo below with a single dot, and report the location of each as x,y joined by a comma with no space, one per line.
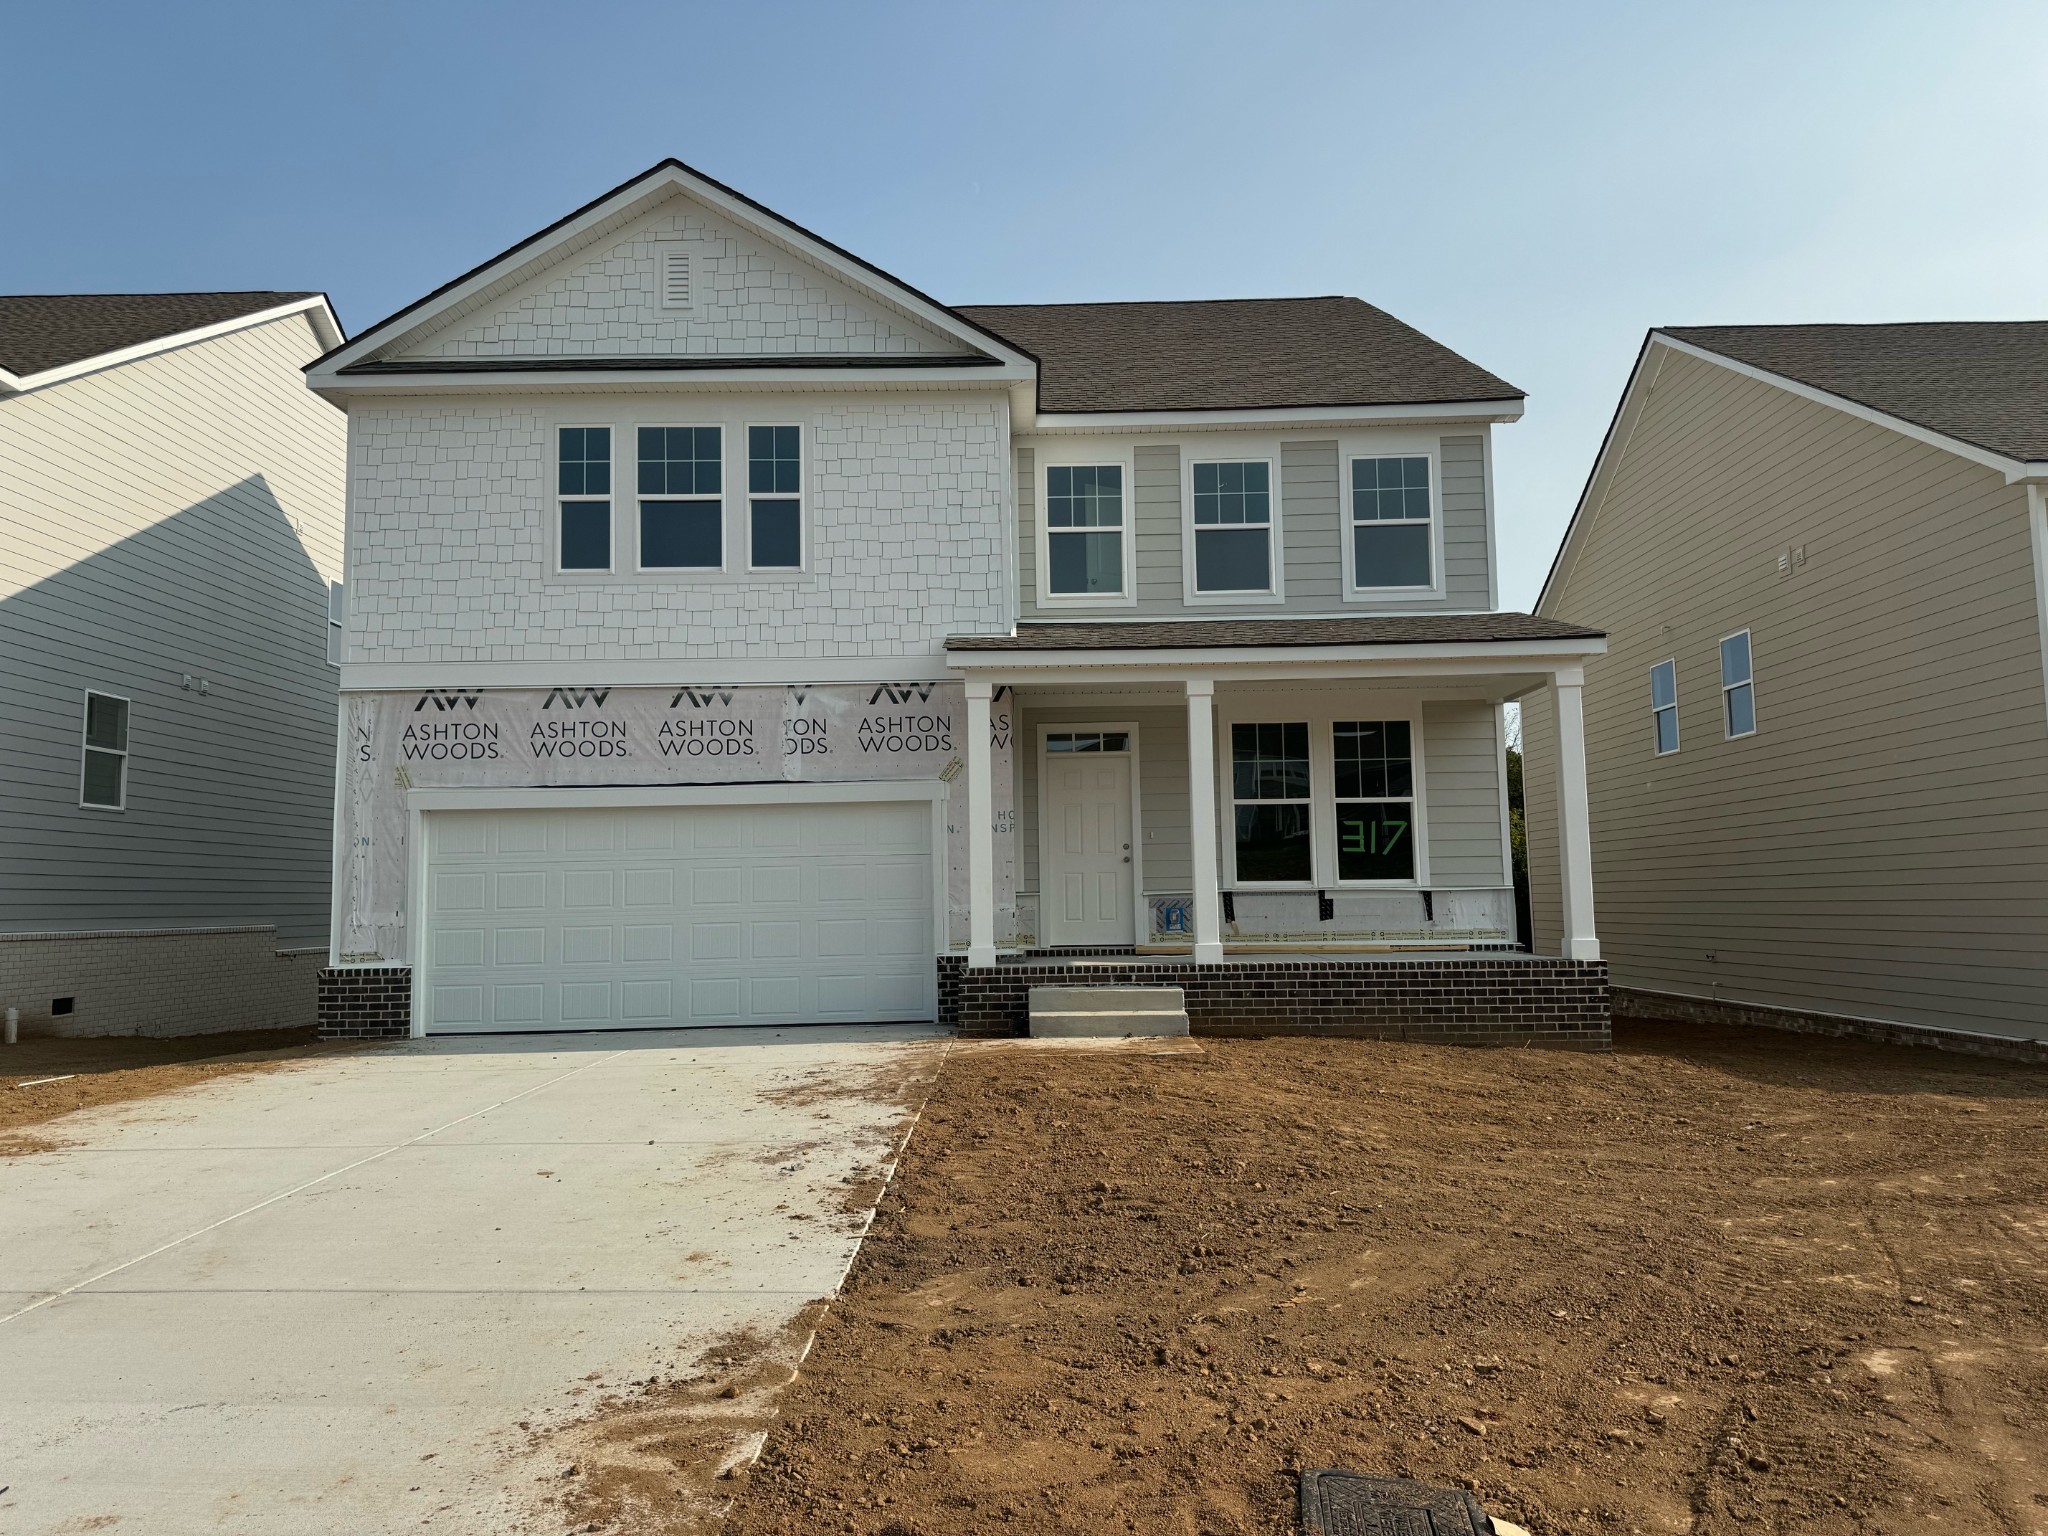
1533,184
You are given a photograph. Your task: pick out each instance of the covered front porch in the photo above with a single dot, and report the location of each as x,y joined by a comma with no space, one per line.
1299,803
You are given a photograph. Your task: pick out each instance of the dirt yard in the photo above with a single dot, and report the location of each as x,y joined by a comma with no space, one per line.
1713,1282
89,1073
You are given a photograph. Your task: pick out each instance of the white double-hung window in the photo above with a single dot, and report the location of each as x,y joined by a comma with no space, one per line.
1664,706
103,772
1232,527
1085,531
682,506
1738,686
584,489
1393,524
775,509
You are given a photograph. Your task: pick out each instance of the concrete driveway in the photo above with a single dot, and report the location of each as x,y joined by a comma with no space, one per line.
409,1287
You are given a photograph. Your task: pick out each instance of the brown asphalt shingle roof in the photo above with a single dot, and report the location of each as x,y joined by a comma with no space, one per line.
1982,381
40,331
1198,634
1225,354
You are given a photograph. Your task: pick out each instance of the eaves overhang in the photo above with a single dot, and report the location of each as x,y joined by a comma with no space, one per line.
318,312
1272,662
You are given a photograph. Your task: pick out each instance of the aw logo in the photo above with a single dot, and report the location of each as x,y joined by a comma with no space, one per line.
446,701
576,698
702,698
798,692
902,693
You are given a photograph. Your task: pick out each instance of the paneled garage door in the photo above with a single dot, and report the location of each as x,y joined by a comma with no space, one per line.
662,917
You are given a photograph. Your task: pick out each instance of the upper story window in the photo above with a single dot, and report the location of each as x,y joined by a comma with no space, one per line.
682,510
584,486
1233,527
775,509
103,773
1085,533
1392,524
1664,706
1738,686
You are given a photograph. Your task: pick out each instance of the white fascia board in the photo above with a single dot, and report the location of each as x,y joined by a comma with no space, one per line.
1279,660
1069,423
523,259
315,309
657,381
2013,469
405,676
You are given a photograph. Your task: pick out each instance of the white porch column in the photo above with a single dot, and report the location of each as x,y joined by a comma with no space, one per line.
1202,818
981,831
1574,831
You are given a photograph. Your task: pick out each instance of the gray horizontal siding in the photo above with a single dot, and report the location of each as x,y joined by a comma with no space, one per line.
1167,867
1880,847
1462,768
1312,534
177,515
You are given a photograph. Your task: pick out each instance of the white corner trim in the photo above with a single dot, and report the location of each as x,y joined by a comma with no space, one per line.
1292,418
2037,525
316,308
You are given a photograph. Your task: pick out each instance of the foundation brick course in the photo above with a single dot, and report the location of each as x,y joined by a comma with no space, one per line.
366,1003
1630,1003
1524,1001
158,981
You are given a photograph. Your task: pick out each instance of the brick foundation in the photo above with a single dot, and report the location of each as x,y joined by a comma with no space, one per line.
158,981
366,1003
1629,1003
1526,1000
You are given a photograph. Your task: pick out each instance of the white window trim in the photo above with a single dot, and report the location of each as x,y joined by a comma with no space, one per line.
1123,459
723,498
1140,911
1656,709
84,746
1320,715
1276,591
1353,449
1749,648
802,496
556,501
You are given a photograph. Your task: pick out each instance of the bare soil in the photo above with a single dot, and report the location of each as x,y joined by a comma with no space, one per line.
1715,1281
116,1069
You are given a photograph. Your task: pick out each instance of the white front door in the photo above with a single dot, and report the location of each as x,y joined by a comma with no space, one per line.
1088,890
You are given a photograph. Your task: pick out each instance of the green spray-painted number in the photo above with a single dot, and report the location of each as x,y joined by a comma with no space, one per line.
1364,836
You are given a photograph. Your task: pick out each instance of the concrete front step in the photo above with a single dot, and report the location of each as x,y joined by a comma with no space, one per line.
1107,1012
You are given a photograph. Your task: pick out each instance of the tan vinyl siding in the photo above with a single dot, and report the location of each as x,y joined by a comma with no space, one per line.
1155,523
176,515
1462,787
1311,525
1880,847
1466,583
1028,502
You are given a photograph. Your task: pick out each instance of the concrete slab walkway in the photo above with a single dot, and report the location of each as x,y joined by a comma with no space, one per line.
361,1294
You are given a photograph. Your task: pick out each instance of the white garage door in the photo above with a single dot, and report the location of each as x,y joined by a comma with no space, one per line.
660,917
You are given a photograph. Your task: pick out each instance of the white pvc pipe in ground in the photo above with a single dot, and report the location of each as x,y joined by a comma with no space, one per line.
13,1025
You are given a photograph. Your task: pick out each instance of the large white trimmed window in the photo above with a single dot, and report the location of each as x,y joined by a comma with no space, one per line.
1086,532
1324,800
682,507
584,488
103,771
1374,769
1271,802
1393,525
1231,528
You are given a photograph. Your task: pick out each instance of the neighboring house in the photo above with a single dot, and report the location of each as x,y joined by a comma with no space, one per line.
170,524
1816,746
736,634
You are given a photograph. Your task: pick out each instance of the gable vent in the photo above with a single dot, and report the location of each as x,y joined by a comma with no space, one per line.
675,280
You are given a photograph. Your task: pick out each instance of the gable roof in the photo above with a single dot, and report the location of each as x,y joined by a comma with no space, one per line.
520,261
1233,354
1983,382
40,332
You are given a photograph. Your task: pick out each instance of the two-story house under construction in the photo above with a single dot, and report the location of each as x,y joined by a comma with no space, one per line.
736,634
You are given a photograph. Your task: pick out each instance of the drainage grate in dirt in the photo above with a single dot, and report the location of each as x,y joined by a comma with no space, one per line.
1339,1503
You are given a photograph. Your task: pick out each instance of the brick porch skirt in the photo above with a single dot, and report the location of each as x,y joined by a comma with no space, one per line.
1507,1000
1501,1000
